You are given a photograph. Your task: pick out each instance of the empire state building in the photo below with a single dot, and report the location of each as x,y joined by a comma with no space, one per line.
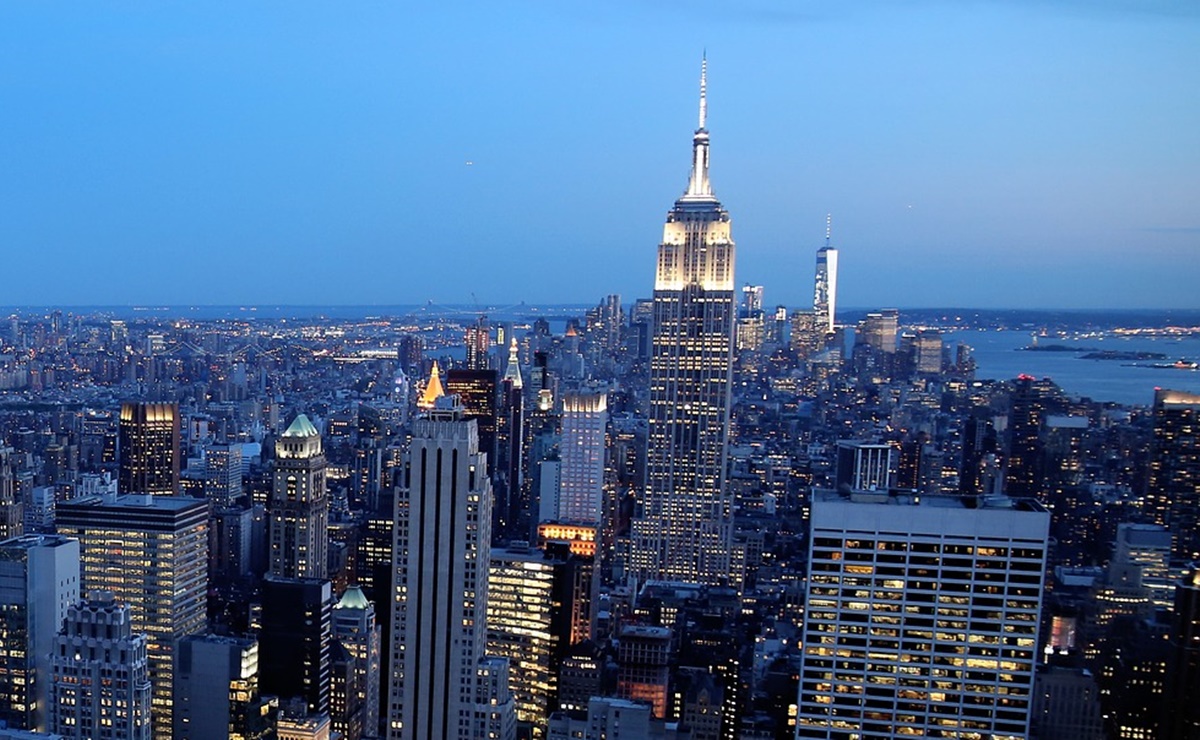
682,525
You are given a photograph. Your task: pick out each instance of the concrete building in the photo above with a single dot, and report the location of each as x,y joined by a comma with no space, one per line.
39,582
921,616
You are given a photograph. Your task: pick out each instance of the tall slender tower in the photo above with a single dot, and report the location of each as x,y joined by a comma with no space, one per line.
681,530
148,442
440,585
299,507
825,295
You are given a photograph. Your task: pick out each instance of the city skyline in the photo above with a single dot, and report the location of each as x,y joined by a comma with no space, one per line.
1046,146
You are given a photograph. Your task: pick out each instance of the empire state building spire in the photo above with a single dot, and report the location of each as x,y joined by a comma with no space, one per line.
682,526
699,188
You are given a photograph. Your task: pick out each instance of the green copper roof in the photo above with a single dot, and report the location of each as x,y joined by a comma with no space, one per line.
354,598
301,427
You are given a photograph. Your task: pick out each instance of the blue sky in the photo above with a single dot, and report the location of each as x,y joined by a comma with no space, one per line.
973,153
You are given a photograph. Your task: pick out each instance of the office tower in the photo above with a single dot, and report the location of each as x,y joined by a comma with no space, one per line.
825,293
863,466
921,617
535,601
582,452
217,690
605,329
644,655
1148,546
100,679
512,516
39,582
295,639
12,507
477,391
151,552
299,507
683,527
928,358
752,299
1173,493
354,628
223,475
1183,676
440,589
1066,705
807,336
878,331
478,342
148,443
1026,416
980,454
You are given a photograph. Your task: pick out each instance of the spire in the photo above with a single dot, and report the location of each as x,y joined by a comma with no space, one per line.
433,389
699,187
513,372
828,228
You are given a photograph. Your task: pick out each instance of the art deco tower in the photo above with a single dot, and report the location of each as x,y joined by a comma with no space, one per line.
681,530
298,506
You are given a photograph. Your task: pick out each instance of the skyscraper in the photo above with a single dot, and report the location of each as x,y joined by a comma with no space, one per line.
825,293
39,581
217,690
1173,494
921,617
299,506
100,684
354,628
151,552
439,608
582,451
296,639
682,528
148,443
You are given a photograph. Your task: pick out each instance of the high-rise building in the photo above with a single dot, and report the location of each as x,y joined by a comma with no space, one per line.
535,599
223,474
100,680
148,445
921,617
217,690
582,453
1026,417
440,589
477,391
39,582
354,628
683,525
1173,493
299,506
151,552
825,283
1183,677
295,640
12,507
512,516
478,342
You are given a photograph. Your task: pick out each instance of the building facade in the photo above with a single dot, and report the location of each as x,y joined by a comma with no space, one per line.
151,553
299,504
683,523
921,617
440,587
148,448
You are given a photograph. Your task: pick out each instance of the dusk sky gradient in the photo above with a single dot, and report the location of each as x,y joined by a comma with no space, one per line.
973,153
